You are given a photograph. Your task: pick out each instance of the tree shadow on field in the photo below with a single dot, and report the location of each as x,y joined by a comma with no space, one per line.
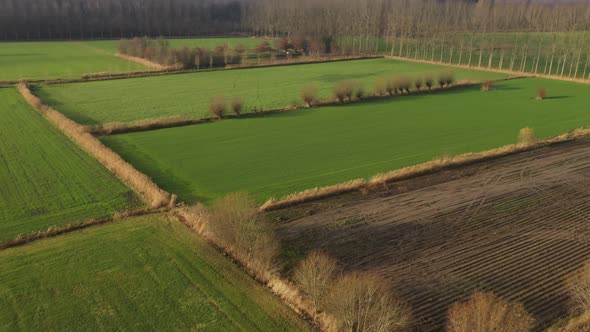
557,97
507,88
23,54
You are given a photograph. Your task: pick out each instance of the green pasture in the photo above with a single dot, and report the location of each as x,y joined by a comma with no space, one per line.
141,274
284,153
45,179
189,95
52,60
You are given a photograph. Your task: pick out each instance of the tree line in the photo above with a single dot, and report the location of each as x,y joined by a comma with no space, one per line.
544,38
516,35
93,19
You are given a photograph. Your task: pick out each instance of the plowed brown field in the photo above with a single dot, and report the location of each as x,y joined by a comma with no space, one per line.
515,226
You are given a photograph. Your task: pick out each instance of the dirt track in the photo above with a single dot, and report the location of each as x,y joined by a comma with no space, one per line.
515,226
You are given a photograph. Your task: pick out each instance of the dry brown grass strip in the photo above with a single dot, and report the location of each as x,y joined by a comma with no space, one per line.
59,230
197,219
141,183
142,125
576,324
382,179
313,193
144,62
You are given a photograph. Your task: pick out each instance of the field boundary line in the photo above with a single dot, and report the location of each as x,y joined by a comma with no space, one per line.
114,128
494,70
54,231
149,73
429,167
127,173
280,287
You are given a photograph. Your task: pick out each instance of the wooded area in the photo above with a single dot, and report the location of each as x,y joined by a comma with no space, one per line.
528,36
93,19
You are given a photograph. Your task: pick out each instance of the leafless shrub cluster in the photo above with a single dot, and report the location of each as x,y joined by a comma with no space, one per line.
445,79
348,89
112,161
314,275
237,104
485,312
487,86
218,106
357,301
237,224
541,94
526,136
403,85
309,95
364,302
160,51
429,82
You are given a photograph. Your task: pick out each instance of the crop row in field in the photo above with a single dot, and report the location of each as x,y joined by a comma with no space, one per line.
516,227
46,179
146,273
282,153
189,94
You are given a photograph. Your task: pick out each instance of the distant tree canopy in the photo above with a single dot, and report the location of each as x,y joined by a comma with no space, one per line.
88,19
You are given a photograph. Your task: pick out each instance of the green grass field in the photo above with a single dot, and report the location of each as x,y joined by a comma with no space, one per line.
51,60
141,274
189,94
45,178
284,153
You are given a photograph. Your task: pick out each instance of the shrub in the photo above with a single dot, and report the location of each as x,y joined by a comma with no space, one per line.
578,286
237,104
217,106
449,78
404,84
418,84
309,95
237,224
263,47
359,92
282,44
314,275
541,94
429,82
487,86
300,44
364,302
380,87
526,136
484,312
344,90
446,79
391,86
